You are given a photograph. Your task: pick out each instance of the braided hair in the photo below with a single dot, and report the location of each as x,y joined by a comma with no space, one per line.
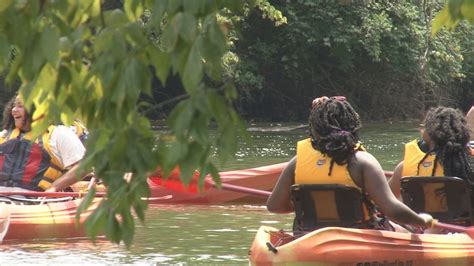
335,124
448,132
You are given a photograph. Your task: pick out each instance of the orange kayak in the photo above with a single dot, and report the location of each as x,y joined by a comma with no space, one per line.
345,246
49,220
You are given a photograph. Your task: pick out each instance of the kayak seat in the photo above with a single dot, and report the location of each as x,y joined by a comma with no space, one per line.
325,205
447,199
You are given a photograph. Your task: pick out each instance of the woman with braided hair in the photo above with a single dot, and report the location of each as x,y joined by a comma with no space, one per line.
444,150
334,155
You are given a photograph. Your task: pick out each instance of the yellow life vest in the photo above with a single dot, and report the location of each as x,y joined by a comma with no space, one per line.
412,158
31,163
312,167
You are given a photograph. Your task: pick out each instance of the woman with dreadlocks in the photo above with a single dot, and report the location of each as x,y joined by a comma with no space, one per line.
444,150
334,155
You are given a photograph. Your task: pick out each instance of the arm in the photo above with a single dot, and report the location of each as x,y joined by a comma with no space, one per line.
280,199
69,178
377,187
394,182
67,147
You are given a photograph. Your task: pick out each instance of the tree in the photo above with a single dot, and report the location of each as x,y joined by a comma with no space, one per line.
74,59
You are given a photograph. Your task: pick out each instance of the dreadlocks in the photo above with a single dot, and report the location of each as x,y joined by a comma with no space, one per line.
449,135
335,124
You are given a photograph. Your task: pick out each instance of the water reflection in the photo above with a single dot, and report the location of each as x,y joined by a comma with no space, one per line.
205,234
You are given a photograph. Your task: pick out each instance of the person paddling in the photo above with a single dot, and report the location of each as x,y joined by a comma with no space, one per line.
443,151
333,155
48,163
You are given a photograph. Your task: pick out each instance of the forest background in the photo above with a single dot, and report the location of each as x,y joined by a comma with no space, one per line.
379,54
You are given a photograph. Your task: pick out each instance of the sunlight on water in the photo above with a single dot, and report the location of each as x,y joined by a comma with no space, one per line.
206,234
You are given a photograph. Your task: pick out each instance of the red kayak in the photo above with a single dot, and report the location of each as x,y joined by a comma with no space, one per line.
260,178
48,220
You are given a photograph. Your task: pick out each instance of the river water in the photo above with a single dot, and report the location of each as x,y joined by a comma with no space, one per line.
215,235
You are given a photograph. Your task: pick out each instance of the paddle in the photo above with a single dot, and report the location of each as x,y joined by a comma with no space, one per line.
49,194
455,228
65,194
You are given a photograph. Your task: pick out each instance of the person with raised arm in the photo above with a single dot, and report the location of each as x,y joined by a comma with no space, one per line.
334,155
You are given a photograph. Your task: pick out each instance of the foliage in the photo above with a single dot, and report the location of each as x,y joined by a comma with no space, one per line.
379,54
76,59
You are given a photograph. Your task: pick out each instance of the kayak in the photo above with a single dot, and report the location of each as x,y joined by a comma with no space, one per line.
260,178
347,246
48,220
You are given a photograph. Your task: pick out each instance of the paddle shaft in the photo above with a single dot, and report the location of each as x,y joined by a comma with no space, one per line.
49,194
246,190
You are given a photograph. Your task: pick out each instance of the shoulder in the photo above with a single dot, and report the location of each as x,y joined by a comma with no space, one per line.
62,131
362,157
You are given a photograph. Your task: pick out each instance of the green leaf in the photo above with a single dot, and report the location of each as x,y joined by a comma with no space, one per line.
174,153
170,37
214,173
86,202
193,6
112,230
95,223
180,118
440,20
158,11
193,70
161,62
136,34
133,9
187,25
467,10
115,18
49,41
5,52
128,227
5,4
173,6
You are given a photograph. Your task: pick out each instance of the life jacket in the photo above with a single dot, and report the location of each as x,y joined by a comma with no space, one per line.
412,158
28,163
313,167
